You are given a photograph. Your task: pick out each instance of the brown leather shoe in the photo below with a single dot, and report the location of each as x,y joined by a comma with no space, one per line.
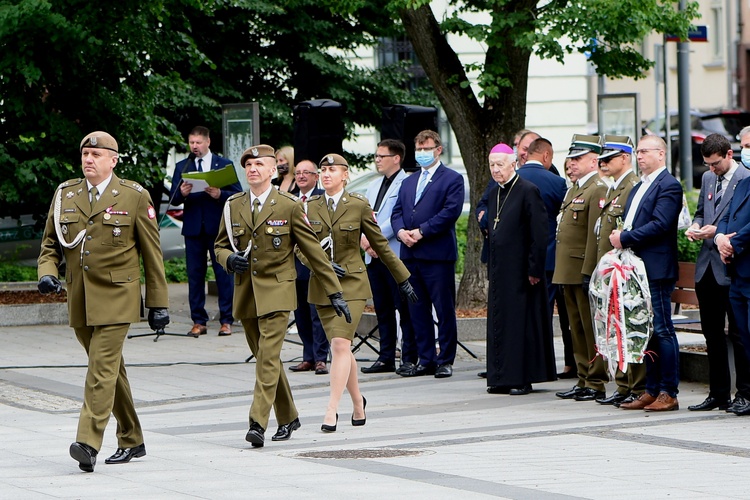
643,401
321,368
305,366
198,329
664,402
226,329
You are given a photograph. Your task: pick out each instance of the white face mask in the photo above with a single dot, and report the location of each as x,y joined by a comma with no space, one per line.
745,157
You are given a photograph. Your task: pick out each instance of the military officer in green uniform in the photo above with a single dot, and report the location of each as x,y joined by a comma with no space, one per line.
256,241
616,167
575,260
102,225
339,218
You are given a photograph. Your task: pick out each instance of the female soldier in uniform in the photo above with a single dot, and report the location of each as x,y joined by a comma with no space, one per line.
339,218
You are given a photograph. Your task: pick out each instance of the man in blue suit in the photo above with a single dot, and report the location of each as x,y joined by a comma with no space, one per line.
200,225
552,188
382,195
732,236
424,220
650,230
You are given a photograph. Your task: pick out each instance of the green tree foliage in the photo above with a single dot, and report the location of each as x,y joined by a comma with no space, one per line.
609,31
147,72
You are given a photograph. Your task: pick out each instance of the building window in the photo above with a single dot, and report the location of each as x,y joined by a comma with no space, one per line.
716,32
399,50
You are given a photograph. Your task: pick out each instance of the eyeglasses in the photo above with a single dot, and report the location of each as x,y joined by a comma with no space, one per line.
713,164
380,157
302,173
426,149
639,151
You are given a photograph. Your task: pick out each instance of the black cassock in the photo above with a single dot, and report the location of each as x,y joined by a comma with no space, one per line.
520,348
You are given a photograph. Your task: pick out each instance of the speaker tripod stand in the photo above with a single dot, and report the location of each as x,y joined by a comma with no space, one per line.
161,332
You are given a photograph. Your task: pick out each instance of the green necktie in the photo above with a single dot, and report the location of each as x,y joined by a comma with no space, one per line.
256,209
330,207
93,191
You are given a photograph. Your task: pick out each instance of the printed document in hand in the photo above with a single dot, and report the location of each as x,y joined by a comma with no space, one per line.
214,178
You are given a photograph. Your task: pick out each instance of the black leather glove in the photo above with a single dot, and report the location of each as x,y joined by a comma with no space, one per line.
586,283
158,318
340,306
340,271
237,264
49,284
407,292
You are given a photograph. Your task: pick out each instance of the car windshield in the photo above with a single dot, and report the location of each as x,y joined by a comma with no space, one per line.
729,125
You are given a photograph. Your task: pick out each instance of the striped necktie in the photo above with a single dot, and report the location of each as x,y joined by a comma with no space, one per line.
719,186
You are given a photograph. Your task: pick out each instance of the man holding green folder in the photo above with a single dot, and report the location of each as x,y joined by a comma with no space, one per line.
203,204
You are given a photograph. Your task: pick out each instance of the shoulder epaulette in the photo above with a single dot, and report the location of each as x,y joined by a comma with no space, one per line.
237,195
314,197
358,196
288,195
70,182
131,185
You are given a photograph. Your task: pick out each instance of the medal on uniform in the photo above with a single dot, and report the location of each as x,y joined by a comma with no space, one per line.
116,231
236,242
64,229
276,242
69,194
269,230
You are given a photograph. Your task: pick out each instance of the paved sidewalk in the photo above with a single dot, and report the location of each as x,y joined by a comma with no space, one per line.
424,438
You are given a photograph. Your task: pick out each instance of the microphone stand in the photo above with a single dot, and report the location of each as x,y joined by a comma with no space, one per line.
159,332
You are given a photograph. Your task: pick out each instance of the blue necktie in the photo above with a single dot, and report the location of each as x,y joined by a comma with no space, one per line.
422,184
200,164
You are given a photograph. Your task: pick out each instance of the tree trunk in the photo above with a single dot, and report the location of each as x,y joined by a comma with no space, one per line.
477,128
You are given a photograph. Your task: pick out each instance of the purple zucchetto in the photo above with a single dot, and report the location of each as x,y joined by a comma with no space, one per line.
502,148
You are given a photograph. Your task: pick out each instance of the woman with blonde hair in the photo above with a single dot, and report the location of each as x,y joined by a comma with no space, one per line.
339,218
285,170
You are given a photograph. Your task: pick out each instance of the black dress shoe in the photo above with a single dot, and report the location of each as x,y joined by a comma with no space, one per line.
589,394
629,399
256,435
569,394
360,421
568,374
330,428
417,371
285,431
498,389
482,374
124,455
615,398
520,391
379,367
738,402
710,403
405,367
444,371
742,411
85,455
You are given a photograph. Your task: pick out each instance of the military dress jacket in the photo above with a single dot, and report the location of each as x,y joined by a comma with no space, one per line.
575,254
103,270
613,209
268,285
352,218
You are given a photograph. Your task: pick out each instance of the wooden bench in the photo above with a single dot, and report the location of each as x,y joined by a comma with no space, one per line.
684,293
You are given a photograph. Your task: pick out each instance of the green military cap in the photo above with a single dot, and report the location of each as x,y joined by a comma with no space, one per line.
259,151
101,140
582,144
615,145
333,159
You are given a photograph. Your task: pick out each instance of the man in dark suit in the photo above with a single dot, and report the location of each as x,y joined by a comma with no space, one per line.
200,225
382,194
711,280
650,230
424,220
315,345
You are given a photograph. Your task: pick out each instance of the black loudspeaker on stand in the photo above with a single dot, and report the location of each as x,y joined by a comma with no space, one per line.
318,129
404,122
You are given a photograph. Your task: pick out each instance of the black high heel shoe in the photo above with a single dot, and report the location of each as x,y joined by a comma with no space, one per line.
360,422
330,428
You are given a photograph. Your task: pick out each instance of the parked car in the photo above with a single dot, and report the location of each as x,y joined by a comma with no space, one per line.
727,122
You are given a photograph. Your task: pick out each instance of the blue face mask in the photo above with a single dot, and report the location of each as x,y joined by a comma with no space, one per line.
745,157
424,158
